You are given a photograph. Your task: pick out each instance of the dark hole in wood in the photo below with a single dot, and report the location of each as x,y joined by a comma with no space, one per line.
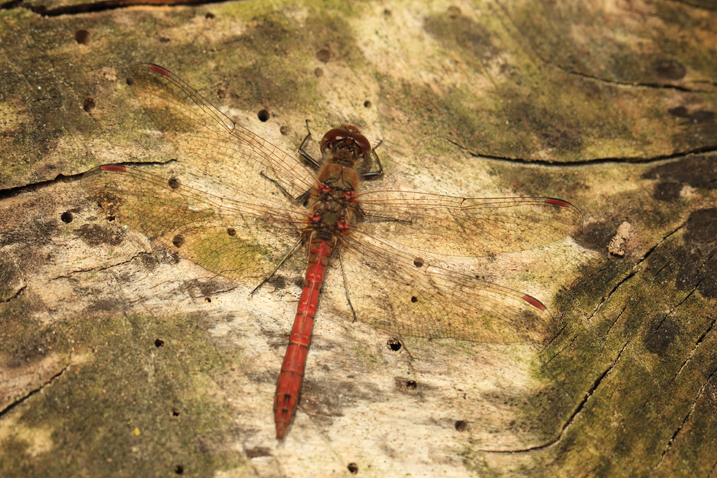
418,262
179,469
158,343
263,116
208,300
411,385
231,231
175,412
323,55
82,37
353,468
164,40
284,130
367,104
414,299
130,81
394,344
209,16
461,425
178,241
173,183
66,217
88,105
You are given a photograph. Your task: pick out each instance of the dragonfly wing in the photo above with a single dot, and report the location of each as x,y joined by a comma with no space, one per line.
242,241
392,290
213,143
459,226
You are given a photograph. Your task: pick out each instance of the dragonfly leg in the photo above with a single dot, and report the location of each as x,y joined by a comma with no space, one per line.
379,171
346,287
315,164
278,266
300,199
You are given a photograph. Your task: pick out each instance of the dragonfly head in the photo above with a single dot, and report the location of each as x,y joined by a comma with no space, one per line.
346,144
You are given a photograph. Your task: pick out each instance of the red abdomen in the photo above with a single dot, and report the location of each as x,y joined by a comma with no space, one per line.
292,370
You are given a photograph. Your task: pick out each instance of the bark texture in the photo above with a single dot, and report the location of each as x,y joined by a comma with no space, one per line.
119,358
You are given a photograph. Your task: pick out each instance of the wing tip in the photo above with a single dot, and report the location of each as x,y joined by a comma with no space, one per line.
558,202
112,167
534,302
159,69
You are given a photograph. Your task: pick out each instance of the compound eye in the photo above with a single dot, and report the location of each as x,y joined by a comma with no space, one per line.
346,132
362,143
332,136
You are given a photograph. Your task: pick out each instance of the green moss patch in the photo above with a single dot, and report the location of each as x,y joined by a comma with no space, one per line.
137,400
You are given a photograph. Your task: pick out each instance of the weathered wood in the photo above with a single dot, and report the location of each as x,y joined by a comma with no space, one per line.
119,359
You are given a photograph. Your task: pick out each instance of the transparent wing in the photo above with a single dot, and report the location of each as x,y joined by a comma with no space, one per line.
391,289
459,226
211,142
240,240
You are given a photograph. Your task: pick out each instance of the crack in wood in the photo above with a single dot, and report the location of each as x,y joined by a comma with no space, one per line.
562,350
679,304
572,417
659,243
96,269
703,265
697,344
15,295
593,388
618,318
687,416
709,149
607,297
7,409
62,178
636,269
101,6
554,337
653,86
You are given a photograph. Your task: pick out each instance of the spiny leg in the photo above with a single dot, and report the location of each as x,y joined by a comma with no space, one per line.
315,164
278,266
379,171
346,287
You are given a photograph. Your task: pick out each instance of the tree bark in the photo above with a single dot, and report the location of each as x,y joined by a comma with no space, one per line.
121,358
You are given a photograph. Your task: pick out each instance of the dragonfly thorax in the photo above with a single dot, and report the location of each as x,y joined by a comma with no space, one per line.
336,181
333,200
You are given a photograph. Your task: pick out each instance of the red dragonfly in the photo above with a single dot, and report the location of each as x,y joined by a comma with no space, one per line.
265,204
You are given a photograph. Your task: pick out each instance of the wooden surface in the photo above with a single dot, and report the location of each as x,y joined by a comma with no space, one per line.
118,358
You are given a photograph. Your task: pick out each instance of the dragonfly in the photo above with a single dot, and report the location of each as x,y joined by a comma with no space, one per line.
239,206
